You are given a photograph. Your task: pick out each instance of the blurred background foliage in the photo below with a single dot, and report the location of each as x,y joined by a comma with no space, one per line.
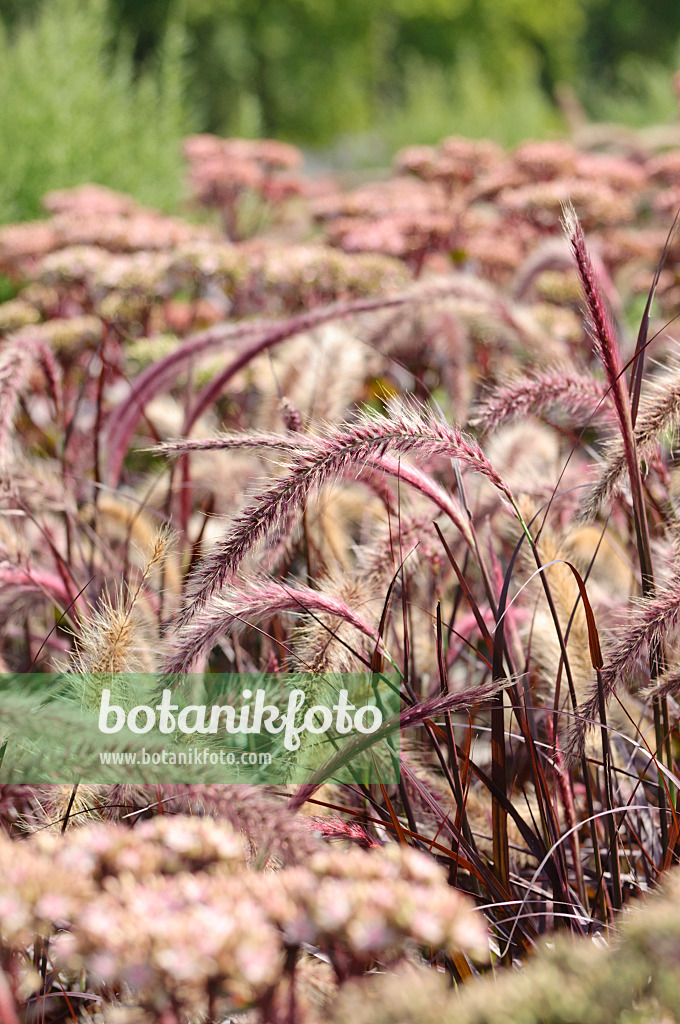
104,89
75,106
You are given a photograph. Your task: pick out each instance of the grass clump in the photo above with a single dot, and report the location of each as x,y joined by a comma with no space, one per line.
500,531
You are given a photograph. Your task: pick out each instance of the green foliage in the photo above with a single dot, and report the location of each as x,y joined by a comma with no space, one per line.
98,89
397,71
641,94
618,29
72,111
301,69
633,981
311,70
467,102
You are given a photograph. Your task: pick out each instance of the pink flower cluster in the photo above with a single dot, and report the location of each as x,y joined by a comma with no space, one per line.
223,171
171,909
487,208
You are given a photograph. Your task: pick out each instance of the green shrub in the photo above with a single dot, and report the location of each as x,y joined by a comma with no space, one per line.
71,110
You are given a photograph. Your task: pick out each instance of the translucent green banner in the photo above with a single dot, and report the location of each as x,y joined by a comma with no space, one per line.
230,728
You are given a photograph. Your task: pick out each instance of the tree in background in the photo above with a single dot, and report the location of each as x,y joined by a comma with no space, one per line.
412,70
313,69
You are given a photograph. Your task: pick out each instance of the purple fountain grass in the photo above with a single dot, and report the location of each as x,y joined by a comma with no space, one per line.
409,429
606,344
299,443
52,372
255,599
659,412
15,363
551,254
34,580
579,395
455,703
599,321
222,442
350,831
667,685
652,623
123,420
607,347
283,330
18,357
358,540
609,482
428,487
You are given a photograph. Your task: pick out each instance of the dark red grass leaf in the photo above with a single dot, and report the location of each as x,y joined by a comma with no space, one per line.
465,587
399,831
593,635
486,877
